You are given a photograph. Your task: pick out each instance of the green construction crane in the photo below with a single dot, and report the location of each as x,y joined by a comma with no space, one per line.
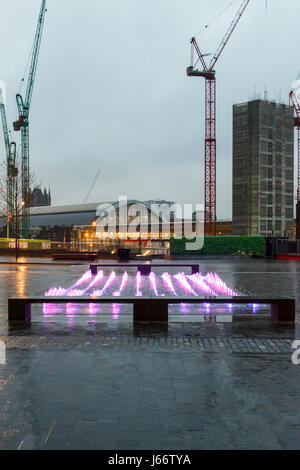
23,122
12,171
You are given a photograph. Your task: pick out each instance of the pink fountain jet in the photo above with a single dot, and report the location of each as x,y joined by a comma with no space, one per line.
168,282
152,278
110,280
218,285
56,292
138,284
122,286
60,292
84,278
199,282
181,278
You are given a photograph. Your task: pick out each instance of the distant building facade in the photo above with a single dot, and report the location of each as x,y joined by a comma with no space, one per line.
263,169
224,227
39,198
78,222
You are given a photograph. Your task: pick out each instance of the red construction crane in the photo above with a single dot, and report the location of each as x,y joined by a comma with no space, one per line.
294,102
209,74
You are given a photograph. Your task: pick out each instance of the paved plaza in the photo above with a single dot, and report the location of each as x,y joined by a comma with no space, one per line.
108,385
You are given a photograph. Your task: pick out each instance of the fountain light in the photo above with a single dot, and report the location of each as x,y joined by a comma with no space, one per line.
93,309
50,309
116,311
184,308
71,309
255,308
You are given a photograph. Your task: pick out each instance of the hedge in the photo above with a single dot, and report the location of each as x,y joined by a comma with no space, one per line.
31,244
227,245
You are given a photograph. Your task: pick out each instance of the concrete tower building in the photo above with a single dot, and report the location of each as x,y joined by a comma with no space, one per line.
263,169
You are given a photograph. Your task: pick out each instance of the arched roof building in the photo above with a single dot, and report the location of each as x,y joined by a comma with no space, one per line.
58,221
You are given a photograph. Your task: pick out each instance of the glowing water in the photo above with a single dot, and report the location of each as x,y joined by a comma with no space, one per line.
124,284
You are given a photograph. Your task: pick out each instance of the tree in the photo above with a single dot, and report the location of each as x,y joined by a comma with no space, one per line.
11,200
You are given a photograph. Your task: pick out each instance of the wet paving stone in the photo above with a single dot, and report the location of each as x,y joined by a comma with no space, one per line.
110,385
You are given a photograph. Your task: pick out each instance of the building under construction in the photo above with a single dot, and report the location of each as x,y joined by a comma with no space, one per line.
263,169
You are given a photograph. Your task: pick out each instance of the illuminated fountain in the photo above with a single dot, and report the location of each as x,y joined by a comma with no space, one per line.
110,283
154,284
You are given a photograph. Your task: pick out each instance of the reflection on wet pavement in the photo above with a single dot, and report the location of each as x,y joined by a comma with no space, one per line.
76,381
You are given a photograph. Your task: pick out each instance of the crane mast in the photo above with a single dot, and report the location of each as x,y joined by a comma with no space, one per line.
294,102
209,74
10,149
23,121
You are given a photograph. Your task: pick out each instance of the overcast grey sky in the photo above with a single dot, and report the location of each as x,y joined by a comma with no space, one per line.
111,90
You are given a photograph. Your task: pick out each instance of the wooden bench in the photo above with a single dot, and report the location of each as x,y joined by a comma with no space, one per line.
150,309
144,269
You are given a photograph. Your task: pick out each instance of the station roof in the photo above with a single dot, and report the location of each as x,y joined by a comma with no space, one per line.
75,214
45,210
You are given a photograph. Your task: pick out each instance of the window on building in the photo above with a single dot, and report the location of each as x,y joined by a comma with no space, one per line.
289,148
263,186
263,172
263,211
263,158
